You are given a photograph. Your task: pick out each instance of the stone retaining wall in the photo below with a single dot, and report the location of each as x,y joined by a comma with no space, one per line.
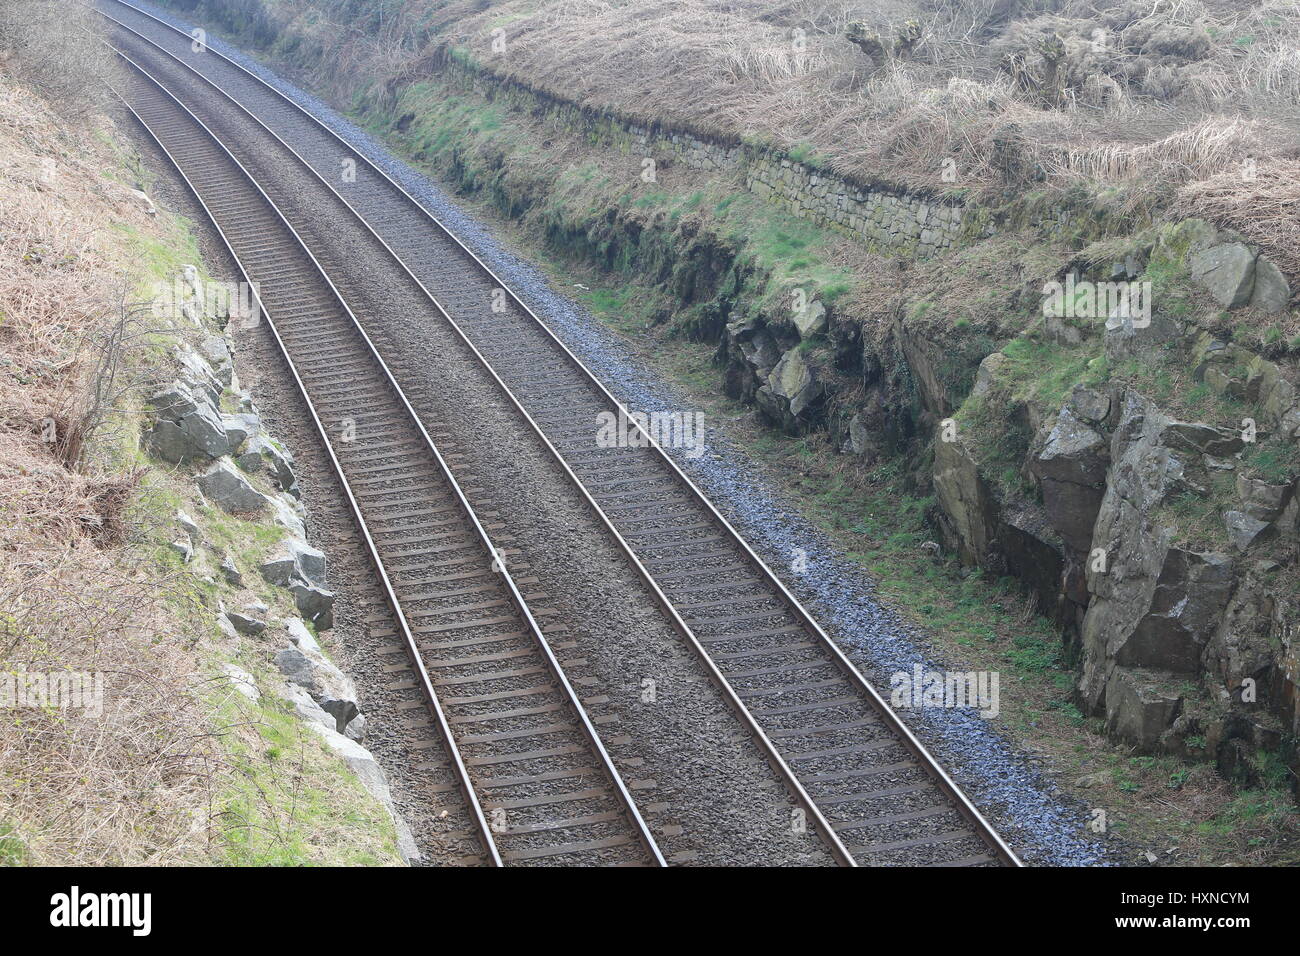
885,217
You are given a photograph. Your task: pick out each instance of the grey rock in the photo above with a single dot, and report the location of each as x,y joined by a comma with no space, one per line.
184,548
223,484
249,620
216,352
318,676
1072,471
316,604
189,425
1271,293
1261,500
987,373
188,525
1202,438
1140,706
792,388
294,558
1089,404
227,629
300,636
356,729
239,427
1243,529
305,707
1154,605
1227,271
286,515
261,453
195,372
811,320
230,572
242,681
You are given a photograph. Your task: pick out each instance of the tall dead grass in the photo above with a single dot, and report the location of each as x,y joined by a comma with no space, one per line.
128,785
1160,91
1264,206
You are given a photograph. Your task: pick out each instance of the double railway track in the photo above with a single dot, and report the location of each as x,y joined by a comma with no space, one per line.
857,774
524,750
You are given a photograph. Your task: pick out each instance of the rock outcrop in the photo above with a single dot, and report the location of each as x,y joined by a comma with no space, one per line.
243,471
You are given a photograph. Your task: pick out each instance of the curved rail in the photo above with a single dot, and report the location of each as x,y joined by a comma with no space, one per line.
961,802
489,552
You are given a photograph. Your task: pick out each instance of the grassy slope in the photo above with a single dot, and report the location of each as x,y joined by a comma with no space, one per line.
256,787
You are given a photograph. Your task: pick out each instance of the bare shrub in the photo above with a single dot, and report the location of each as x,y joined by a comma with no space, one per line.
58,47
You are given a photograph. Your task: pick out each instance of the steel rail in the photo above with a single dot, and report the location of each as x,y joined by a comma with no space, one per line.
926,760
517,598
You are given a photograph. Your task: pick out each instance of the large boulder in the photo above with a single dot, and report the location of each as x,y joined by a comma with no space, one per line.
792,390
1243,529
239,427
314,603
226,487
261,453
300,568
1227,270
196,372
1272,293
1261,500
305,664
294,558
1182,612
216,352
811,320
250,619
1243,644
1199,438
969,508
286,513
189,426
1141,705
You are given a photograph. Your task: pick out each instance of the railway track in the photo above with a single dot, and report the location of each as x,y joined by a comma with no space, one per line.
529,760
858,775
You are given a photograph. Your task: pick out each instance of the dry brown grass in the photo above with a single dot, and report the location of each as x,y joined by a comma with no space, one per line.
126,786
1153,93
1265,209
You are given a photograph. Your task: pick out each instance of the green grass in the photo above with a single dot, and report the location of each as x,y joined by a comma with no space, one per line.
1275,461
290,801
12,850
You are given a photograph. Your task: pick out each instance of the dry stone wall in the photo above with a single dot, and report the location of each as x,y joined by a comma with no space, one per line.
884,216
